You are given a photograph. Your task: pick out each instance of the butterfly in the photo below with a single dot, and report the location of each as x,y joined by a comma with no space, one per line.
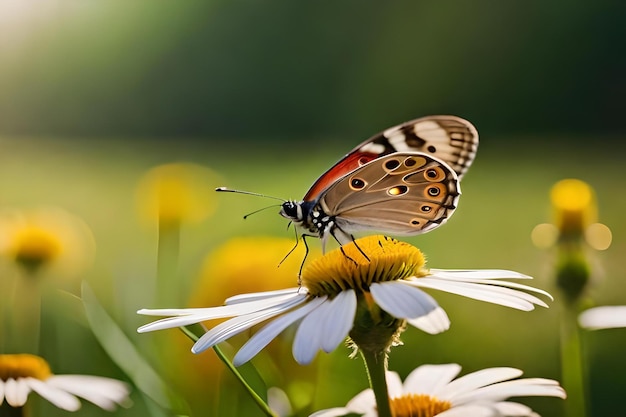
402,181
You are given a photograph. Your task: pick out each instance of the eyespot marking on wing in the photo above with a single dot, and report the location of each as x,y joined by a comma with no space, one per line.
357,184
398,190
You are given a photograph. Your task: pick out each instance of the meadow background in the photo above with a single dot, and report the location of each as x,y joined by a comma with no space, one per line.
268,95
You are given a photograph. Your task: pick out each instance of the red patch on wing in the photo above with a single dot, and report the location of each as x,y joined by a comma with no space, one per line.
340,169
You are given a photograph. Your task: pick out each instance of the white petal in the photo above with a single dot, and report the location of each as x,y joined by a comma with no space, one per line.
435,322
489,293
394,384
470,410
363,402
478,274
186,317
101,391
271,330
1,391
264,295
56,396
16,392
239,324
402,300
339,320
605,317
308,338
516,388
477,379
512,409
490,277
332,412
429,379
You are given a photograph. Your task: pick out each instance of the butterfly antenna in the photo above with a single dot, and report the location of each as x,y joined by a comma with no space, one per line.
261,209
230,190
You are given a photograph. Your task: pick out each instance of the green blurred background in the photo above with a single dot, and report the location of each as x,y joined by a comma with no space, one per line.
269,95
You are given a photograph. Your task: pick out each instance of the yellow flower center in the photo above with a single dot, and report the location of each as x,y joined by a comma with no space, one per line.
33,247
358,264
23,366
418,405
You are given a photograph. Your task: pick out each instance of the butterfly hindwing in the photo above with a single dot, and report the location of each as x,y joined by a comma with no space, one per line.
404,193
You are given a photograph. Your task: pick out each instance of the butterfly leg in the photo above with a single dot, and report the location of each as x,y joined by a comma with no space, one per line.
359,248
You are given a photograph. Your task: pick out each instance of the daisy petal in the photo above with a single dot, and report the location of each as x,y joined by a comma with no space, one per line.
435,322
478,379
186,317
478,274
429,379
1,391
516,388
271,330
56,396
365,401
332,412
106,393
394,384
265,294
239,324
605,317
310,333
491,277
402,300
489,293
507,408
339,319
16,392
470,410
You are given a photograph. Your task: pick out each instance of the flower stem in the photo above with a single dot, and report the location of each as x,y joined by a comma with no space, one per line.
167,262
194,332
572,372
375,365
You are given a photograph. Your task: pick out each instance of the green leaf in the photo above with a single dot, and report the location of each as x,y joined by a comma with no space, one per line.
125,355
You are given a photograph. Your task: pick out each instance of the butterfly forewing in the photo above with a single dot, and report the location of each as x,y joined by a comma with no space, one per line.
450,139
403,193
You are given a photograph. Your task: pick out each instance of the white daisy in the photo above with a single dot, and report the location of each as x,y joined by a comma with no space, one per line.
431,390
22,373
342,285
605,317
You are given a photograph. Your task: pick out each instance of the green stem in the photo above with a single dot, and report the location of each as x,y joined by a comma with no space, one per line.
194,332
375,365
572,372
167,263
25,315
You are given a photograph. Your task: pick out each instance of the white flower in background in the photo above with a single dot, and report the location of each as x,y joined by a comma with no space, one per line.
20,374
605,317
431,390
343,285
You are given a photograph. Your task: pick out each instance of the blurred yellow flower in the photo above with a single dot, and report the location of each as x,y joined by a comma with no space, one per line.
574,206
46,239
176,192
575,213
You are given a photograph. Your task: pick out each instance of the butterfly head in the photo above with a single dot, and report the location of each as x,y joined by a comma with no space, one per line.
292,210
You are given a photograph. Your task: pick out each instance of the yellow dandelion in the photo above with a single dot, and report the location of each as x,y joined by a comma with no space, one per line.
50,239
175,193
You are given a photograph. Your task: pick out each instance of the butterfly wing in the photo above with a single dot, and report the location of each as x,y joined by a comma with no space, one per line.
449,138
405,193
